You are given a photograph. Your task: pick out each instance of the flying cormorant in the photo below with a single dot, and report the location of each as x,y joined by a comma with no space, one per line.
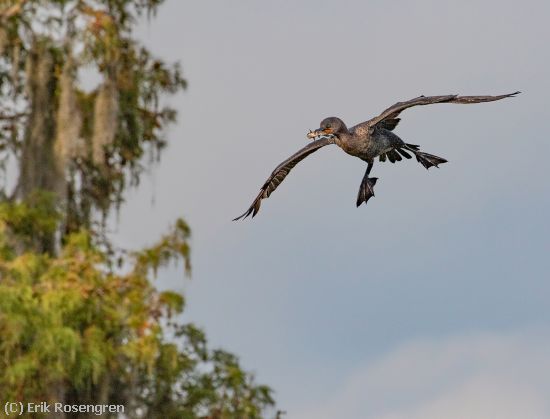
367,140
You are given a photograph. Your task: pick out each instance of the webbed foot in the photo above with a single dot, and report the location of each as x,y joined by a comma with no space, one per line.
366,189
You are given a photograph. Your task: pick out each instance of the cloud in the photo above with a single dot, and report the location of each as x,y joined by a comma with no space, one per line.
482,376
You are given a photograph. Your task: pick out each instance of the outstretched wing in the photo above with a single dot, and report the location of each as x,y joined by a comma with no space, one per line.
281,171
393,111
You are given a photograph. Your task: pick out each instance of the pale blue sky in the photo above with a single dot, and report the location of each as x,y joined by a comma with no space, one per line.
314,292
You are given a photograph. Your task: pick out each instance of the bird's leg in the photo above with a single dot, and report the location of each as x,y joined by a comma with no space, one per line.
370,165
366,189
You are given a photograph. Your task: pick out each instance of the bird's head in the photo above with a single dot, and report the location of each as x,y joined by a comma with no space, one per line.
329,126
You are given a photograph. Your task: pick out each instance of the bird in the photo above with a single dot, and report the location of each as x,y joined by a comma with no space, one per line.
368,140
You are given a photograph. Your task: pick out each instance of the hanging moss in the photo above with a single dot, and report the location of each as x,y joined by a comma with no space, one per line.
15,59
105,120
3,39
68,143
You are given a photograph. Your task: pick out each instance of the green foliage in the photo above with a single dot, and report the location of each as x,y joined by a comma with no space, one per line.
175,244
67,322
29,222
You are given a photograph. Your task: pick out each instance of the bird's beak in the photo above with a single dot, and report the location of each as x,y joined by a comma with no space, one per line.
319,132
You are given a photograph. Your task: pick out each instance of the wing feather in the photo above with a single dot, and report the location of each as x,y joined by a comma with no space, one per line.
393,111
281,172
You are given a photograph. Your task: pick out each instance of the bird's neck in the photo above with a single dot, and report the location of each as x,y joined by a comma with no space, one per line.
342,138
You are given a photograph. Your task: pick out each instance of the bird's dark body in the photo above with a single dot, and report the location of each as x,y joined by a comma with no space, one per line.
367,141
367,146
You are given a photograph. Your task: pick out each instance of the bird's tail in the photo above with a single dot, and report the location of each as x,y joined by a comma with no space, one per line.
427,160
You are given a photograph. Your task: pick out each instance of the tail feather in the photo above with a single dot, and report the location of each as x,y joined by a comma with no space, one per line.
429,160
404,153
394,156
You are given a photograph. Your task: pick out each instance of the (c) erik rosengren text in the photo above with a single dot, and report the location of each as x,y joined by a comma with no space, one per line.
44,407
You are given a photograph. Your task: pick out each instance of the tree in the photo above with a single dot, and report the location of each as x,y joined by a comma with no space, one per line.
81,322
83,146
